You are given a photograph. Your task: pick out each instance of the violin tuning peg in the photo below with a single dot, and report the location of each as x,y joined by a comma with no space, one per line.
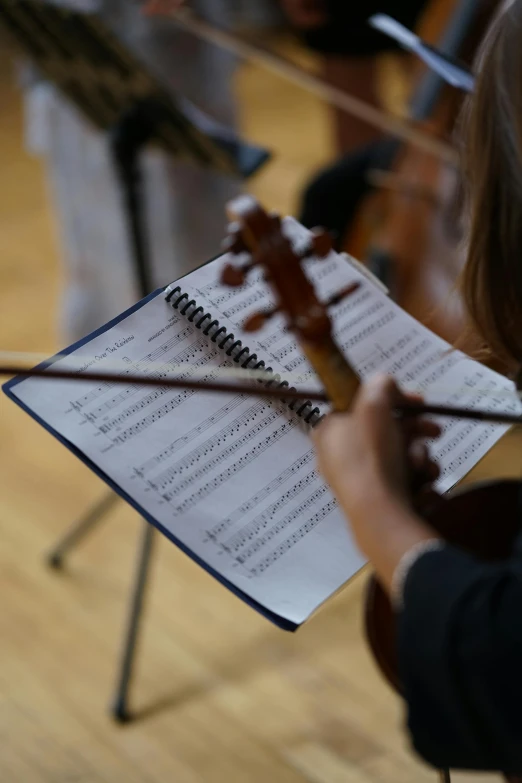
343,294
256,321
235,243
235,276
321,244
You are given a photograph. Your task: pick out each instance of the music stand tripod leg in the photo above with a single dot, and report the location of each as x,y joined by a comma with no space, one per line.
120,709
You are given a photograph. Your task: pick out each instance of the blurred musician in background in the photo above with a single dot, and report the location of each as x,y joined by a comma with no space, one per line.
339,32
355,58
185,204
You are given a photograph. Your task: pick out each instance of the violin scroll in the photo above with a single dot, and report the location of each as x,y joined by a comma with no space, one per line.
256,321
260,234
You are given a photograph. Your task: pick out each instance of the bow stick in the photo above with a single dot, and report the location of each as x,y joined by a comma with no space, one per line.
16,361
50,373
287,394
283,68
22,362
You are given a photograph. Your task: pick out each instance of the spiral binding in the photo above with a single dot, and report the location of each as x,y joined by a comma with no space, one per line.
239,354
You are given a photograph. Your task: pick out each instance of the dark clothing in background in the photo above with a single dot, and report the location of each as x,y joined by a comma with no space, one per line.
332,198
460,657
348,32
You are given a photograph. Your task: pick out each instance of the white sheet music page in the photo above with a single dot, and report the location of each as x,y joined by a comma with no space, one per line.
376,335
231,477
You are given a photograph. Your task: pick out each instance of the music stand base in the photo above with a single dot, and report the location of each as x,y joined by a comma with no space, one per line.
120,715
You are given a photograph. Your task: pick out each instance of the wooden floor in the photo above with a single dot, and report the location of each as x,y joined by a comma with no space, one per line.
223,696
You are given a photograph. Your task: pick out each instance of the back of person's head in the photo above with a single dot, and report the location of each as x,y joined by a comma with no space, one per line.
492,157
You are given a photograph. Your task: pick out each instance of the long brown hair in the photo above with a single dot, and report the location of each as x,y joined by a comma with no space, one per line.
491,134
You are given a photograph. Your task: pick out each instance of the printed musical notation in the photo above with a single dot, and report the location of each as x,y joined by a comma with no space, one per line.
282,526
217,295
252,418
172,476
134,367
196,354
252,538
267,491
266,342
294,538
191,435
243,304
232,470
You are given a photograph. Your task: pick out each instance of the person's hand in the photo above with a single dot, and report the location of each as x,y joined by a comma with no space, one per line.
370,451
374,462
305,14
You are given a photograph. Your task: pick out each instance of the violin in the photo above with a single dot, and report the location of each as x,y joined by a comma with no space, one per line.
468,518
407,229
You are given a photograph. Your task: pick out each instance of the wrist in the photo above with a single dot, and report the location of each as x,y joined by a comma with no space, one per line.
382,519
383,523
373,498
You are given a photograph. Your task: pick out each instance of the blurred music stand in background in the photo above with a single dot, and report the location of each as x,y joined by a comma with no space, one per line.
451,70
115,92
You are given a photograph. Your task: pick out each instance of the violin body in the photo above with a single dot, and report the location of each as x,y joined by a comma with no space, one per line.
414,247
467,518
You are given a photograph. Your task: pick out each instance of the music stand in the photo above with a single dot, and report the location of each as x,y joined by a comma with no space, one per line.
449,68
117,94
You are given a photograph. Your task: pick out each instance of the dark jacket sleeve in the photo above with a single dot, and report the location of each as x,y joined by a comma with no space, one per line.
460,659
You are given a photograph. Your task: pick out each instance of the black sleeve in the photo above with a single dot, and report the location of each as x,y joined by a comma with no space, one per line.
460,659
331,199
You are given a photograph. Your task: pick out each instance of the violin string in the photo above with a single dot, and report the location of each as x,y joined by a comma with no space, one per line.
283,68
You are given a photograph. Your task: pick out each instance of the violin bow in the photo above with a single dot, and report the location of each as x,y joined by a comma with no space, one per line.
390,124
53,373
248,389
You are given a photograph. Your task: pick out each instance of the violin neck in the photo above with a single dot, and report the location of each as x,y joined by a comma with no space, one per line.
340,381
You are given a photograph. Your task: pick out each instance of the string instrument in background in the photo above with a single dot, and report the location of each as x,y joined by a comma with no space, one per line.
483,519
407,229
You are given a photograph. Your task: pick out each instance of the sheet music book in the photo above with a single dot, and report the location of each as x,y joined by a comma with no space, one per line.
232,479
